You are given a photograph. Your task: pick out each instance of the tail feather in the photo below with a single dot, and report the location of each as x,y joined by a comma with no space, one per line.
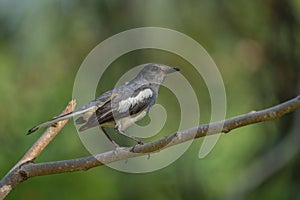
50,122
57,119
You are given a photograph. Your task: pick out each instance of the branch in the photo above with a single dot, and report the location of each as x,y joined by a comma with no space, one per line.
30,169
12,178
46,137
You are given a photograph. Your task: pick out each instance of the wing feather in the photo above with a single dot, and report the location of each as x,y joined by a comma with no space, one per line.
111,111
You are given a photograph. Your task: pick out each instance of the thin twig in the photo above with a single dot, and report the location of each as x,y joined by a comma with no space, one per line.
30,169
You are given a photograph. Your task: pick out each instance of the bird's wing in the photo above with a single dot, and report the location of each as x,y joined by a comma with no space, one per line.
140,100
100,102
87,110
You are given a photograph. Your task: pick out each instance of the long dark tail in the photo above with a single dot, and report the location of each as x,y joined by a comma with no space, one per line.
57,119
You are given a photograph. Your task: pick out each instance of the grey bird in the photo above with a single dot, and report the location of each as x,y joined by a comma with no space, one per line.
121,107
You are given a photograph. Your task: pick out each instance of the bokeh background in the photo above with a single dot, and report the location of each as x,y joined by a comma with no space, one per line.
255,44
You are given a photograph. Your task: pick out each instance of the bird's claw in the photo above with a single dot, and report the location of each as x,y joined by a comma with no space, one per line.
139,141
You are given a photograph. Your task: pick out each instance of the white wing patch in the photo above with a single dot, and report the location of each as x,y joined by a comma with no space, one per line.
125,104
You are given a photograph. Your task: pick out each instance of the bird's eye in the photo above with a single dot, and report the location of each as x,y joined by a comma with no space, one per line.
155,68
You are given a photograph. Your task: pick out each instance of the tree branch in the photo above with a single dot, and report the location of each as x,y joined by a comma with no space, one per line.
29,169
13,177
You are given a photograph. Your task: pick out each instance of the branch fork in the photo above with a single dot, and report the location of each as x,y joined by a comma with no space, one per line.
26,168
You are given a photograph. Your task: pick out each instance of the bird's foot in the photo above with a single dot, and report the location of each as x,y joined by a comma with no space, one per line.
136,145
139,141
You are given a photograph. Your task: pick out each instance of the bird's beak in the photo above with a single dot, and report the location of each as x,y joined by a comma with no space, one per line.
172,69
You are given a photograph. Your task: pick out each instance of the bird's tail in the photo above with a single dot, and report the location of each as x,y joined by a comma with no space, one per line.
57,119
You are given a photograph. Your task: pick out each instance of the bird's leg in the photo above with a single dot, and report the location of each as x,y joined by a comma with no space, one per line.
108,136
138,140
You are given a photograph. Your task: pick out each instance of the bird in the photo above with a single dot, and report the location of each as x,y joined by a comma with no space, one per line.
120,107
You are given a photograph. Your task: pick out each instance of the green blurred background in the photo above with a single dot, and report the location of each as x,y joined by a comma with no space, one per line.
255,44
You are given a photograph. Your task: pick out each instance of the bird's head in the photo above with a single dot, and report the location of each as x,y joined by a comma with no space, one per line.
155,73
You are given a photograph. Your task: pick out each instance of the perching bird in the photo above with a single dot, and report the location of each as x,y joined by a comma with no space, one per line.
121,107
